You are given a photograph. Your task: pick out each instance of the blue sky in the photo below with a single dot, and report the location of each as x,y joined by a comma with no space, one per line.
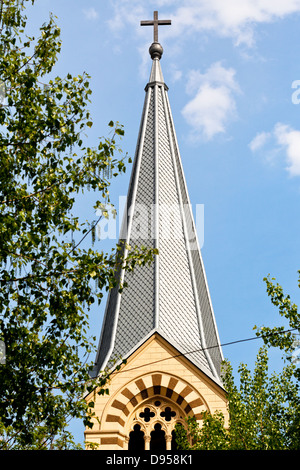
233,72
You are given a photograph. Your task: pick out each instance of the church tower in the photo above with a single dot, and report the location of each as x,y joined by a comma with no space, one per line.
163,322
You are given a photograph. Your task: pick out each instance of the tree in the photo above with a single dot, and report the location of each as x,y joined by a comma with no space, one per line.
48,281
264,411
281,337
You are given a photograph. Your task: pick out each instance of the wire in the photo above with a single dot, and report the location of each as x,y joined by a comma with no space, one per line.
202,349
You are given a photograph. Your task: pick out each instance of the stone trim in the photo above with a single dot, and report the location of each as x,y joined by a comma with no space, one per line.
184,396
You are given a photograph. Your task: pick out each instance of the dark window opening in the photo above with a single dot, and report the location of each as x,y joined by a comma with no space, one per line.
136,439
147,414
168,414
158,441
173,442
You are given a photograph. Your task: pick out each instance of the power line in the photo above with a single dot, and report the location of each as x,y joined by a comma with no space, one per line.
204,349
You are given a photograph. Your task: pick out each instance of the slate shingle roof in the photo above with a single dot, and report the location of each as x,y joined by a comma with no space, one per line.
171,296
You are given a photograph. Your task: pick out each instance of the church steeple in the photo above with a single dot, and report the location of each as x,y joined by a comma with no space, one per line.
162,322
170,297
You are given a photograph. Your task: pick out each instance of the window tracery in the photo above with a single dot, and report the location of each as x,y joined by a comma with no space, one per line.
155,419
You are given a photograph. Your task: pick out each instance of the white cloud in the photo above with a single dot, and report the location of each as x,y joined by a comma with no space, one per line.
213,104
127,12
259,141
289,139
286,139
230,18
91,14
176,74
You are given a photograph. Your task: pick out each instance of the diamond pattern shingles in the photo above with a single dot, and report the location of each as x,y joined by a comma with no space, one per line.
176,295
207,315
171,294
136,312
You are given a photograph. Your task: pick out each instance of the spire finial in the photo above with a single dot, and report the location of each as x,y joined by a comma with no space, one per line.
156,49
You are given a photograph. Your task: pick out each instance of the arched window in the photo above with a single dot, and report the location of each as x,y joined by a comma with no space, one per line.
136,439
152,423
158,440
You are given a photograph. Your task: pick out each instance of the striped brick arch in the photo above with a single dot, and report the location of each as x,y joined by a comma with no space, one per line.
156,384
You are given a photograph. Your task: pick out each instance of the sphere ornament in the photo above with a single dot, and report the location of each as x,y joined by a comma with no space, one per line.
156,50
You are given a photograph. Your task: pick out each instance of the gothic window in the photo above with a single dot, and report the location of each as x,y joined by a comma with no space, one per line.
158,441
152,425
136,439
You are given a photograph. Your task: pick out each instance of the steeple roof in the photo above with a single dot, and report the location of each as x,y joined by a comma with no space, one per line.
170,297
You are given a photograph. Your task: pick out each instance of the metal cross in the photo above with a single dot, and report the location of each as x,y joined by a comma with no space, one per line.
155,22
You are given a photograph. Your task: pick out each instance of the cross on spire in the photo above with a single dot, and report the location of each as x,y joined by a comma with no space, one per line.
155,22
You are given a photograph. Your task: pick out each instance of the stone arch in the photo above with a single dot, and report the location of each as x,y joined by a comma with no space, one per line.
133,423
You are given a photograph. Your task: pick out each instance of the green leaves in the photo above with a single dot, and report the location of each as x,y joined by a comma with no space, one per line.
263,413
279,336
48,281
264,410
